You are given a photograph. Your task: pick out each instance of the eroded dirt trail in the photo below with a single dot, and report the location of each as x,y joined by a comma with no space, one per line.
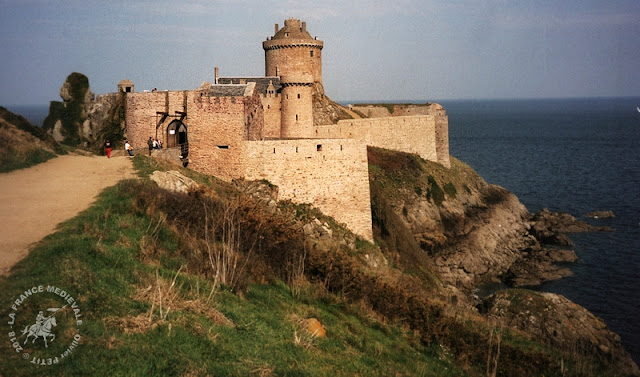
34,201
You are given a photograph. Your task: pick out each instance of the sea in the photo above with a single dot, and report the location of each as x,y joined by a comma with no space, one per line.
572,155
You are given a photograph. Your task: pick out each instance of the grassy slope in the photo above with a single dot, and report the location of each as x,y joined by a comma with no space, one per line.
98,256
23,144
135,254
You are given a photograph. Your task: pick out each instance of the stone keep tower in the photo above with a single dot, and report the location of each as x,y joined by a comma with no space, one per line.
296,57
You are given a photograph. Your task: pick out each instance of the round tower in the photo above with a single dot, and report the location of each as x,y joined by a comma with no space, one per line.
293,51
296,116
294,56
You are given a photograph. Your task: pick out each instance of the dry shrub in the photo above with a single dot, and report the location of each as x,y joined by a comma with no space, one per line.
165,297
227,240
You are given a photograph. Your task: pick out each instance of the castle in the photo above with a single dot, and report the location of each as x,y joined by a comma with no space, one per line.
263,128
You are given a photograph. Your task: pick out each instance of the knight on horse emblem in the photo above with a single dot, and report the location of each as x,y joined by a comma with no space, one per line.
43,328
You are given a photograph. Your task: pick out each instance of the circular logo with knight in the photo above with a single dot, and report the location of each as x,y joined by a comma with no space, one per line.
44,325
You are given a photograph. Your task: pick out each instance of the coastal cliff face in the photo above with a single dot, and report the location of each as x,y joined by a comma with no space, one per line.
469,234
473,232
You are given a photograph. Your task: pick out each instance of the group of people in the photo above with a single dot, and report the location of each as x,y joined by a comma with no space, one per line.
152,142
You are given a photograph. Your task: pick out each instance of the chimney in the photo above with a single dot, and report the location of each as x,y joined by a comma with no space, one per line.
276,29
304,26
217,75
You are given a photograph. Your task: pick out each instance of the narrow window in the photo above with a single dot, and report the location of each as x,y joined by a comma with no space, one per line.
223,147
296,149
298,95
296,116
319,147
340,147
311,53
274,151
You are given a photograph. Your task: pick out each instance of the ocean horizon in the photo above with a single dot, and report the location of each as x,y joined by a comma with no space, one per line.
573,155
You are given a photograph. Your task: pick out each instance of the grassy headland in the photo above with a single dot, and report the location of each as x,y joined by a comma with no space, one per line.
214,282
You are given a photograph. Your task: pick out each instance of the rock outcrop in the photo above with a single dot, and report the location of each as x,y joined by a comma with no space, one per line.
600,214
474,232
555,320
82,119
326,111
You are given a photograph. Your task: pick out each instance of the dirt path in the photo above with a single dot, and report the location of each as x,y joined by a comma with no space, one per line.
34,201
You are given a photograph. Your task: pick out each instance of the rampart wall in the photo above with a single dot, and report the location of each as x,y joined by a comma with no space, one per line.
332,175
410,134
217,126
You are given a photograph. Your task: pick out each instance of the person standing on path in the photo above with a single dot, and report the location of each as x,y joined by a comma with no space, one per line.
150,143
107,148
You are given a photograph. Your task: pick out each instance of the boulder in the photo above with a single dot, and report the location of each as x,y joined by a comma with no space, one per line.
173,181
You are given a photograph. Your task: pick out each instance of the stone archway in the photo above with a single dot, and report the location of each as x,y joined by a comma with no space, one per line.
177,137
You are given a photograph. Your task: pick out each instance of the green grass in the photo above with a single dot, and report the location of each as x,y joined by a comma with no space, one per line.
32,157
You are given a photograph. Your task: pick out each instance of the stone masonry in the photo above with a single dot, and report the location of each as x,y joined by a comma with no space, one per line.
262,128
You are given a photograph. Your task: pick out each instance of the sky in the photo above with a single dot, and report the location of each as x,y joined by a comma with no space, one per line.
374,50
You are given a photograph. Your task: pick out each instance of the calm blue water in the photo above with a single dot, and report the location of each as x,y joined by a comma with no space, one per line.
576,156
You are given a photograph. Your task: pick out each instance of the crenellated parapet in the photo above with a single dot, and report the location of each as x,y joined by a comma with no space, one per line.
292,50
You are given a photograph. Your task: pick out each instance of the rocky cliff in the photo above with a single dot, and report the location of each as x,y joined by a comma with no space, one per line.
82,119
467,233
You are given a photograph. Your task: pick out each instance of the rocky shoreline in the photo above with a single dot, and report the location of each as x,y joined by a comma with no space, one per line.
481,235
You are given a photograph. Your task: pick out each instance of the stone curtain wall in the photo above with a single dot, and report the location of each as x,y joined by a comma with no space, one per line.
332,175
442,138
217,126
411,134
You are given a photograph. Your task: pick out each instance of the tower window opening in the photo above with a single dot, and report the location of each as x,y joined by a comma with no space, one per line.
311,53
298,95
274,151
319,147
296,149
296,116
